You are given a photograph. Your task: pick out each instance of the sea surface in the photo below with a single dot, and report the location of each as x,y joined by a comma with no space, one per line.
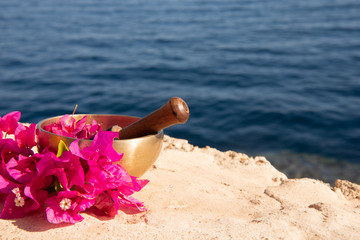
259,76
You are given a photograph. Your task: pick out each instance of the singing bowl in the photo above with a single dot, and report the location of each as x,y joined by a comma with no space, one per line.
139,153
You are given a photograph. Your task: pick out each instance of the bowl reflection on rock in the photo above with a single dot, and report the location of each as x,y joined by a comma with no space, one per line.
139,153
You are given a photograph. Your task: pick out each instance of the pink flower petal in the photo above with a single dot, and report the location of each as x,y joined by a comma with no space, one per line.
25,136
57,212
36,194
9,122
11,210
6,185
75,149
22,170
56,215
46,162
69,127
59,173
73,169
9,149
132,203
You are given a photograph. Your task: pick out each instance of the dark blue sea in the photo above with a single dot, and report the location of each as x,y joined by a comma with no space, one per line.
259,76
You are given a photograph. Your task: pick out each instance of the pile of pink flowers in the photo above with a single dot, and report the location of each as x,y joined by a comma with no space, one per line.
65,183
69,127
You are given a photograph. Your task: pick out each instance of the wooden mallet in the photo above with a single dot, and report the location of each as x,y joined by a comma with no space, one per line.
175,111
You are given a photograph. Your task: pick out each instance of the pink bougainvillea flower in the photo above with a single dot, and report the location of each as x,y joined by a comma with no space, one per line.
47,169
72,169
25,136
66,168
109,182
131,203
45,163
113,178
22,170
66,207
135,185
89,130
9,150
9,122
102,174
69,127
35,191
127,189
14,206
56,129
6,185
104,178
22,173
20,202
107,203
69,124
101,150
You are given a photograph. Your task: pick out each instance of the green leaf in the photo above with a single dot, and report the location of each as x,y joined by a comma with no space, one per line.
61,148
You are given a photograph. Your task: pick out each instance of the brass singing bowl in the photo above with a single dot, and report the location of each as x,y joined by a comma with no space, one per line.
139,153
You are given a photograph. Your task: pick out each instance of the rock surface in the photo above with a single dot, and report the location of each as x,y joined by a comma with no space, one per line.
202,193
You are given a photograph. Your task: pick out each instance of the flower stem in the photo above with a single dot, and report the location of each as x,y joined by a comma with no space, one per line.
74,110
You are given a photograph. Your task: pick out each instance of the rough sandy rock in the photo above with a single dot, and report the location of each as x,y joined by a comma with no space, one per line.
202,193
350,190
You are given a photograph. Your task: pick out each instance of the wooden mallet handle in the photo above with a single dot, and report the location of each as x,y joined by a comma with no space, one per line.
173,112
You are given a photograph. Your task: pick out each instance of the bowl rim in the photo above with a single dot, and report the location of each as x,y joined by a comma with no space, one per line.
160,134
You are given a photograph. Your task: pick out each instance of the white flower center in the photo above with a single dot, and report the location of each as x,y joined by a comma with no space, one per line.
16,191
65,204
19,201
